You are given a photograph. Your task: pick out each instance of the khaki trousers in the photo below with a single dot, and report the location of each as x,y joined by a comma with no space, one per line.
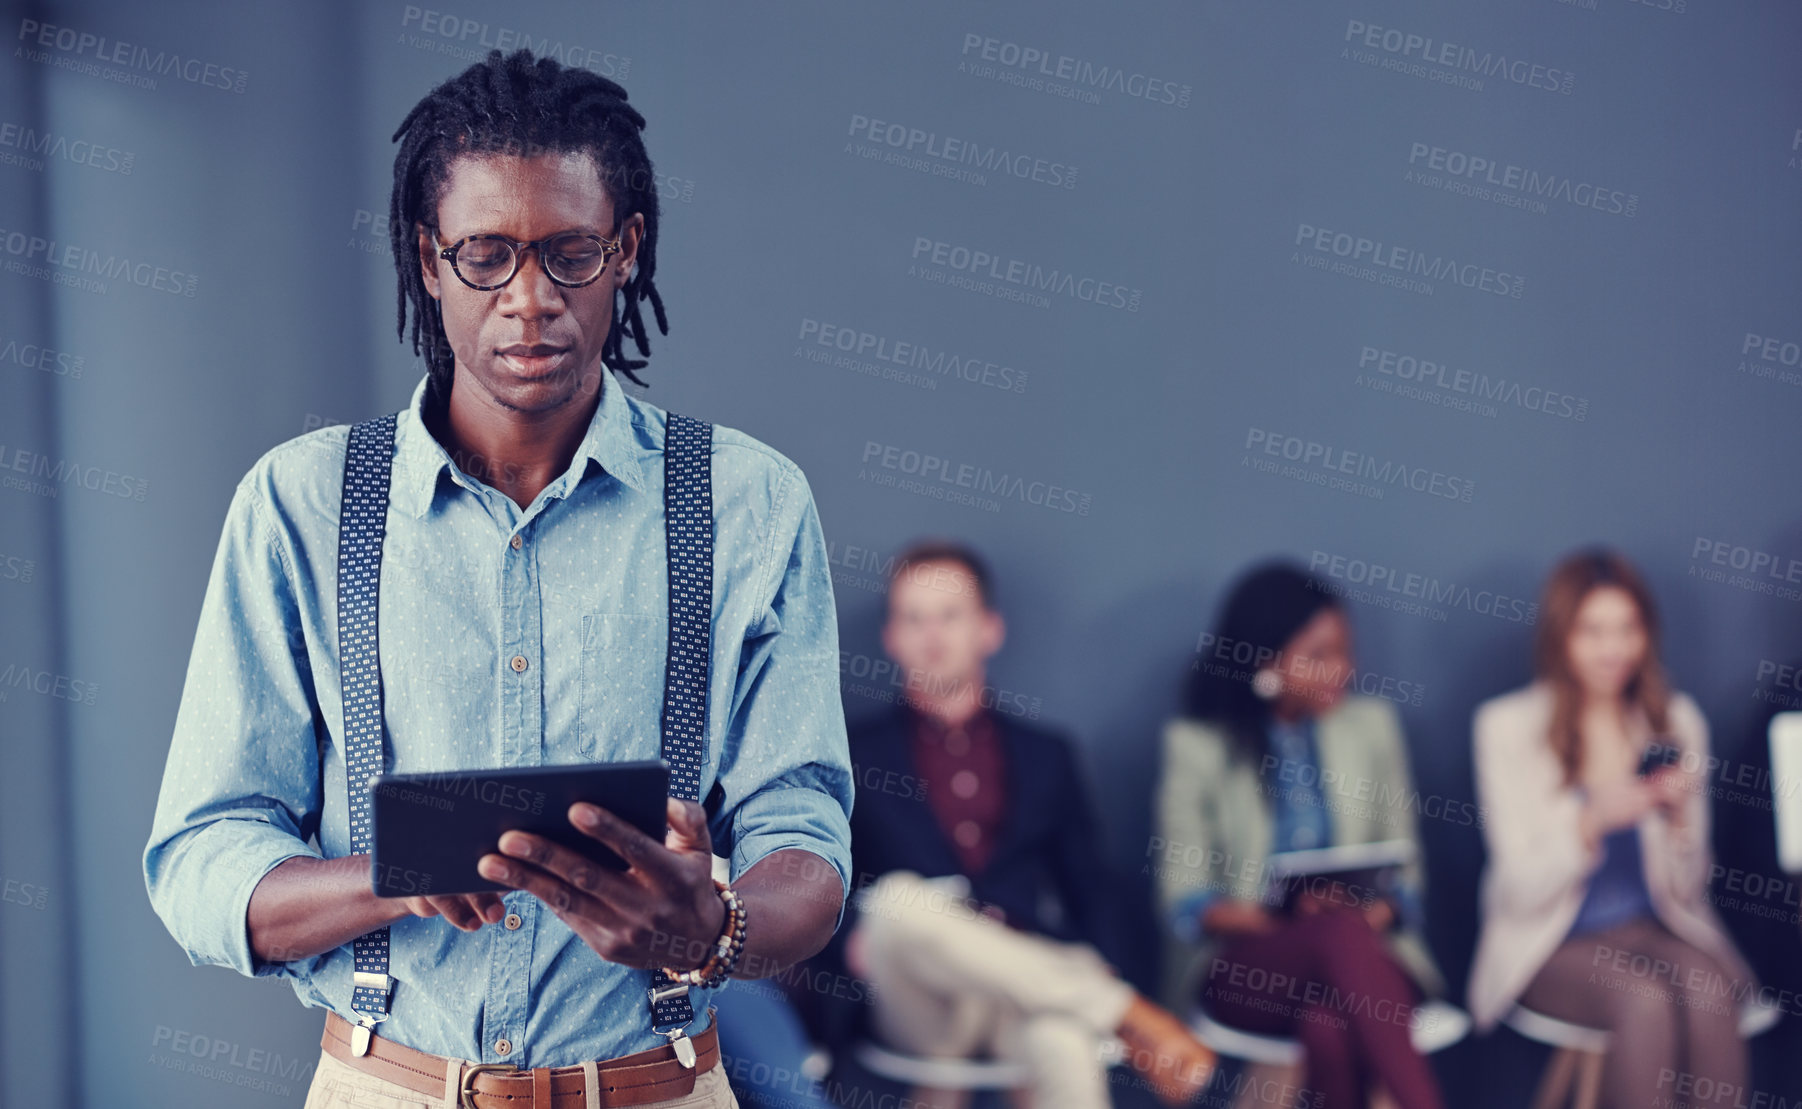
338,1085
951,983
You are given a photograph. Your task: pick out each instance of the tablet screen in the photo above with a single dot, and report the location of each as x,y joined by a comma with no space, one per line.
432,827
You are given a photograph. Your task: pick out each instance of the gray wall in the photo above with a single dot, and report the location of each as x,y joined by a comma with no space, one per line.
1617,400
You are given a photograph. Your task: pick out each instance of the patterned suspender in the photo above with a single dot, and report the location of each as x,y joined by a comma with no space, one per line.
362,523
688,539
688,535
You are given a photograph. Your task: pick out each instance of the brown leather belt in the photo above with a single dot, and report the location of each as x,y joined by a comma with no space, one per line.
637,1079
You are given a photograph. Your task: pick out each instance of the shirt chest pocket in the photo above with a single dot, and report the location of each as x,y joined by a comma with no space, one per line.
620,706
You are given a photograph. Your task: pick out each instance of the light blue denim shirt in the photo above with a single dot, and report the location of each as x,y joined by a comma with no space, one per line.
256,767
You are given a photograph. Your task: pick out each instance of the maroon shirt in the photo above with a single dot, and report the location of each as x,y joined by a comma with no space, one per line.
965,775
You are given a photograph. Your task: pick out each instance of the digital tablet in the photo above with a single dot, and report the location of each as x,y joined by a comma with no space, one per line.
1347,875
431,828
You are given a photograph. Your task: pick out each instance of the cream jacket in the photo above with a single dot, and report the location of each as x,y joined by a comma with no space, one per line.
1538,869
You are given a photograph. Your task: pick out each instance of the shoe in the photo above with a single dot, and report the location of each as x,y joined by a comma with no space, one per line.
1166,1054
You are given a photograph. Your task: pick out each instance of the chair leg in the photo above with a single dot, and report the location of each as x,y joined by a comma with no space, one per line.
1589,1080
1555,1084
1259,1078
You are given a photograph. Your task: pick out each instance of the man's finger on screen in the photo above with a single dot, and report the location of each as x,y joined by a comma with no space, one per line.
456,909
549,888
568,866
640,851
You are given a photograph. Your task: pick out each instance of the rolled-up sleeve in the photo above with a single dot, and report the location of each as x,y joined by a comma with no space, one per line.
240,790
785,764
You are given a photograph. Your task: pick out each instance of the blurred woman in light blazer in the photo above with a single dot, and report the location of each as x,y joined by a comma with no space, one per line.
1594,895
1272,755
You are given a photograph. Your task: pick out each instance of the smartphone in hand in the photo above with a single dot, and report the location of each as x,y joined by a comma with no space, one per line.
1661,752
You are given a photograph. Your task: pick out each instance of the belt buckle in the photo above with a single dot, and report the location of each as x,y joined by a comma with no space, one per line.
465,1095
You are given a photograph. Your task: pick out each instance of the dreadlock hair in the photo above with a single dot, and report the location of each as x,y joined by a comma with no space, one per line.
521,105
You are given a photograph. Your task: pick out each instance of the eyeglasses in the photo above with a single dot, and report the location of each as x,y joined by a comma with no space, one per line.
488,262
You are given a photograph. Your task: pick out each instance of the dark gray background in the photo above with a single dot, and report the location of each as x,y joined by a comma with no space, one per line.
267,197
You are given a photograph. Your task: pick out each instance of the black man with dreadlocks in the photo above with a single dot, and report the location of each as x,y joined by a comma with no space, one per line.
524,604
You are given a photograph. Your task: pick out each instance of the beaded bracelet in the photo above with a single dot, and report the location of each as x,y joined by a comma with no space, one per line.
722,960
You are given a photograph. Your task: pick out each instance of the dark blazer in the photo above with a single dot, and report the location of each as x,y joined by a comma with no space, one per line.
1046,870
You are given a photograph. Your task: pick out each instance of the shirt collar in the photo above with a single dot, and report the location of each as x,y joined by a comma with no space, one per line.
420,458
979,727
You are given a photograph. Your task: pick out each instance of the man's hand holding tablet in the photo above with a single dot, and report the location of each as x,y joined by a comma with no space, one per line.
662,910
628,868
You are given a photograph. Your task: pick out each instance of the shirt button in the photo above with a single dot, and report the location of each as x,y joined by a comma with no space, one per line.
519,664
964,784
516,541
512,920
967,833
503,1047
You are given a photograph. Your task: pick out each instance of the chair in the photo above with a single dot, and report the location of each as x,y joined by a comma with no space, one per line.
1277,1059
940,1074
1785,739
937,1081
1574,1074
